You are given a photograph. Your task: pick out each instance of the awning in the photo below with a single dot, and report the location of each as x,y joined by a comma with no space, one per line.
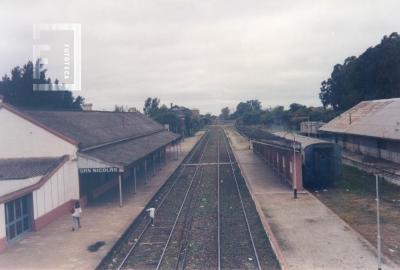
122,154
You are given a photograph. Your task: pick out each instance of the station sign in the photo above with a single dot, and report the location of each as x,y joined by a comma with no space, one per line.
99,170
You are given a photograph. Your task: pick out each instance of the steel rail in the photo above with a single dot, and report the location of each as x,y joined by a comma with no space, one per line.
180,209
241,202
181,263
184,245
162,201
219,214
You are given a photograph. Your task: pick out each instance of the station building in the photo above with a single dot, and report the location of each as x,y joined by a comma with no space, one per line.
49,159
371,128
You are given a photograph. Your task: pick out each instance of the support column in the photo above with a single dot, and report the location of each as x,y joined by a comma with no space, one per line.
134,180
120,188
145,170
154,164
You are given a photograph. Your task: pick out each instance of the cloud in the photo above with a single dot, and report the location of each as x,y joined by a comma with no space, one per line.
204,54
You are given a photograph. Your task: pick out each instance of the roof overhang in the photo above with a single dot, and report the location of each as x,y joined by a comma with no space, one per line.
36,184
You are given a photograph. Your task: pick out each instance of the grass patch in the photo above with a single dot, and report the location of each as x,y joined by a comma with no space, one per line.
363,183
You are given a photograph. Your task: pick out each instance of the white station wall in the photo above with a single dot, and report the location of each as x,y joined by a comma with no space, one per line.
21,139
62,187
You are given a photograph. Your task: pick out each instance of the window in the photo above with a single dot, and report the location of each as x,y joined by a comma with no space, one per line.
18,216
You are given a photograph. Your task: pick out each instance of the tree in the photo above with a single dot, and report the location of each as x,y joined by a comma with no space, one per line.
151,106
179,119
372,75
249,106
18,90
120,108
225,112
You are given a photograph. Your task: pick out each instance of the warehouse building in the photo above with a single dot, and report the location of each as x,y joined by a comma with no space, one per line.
49,159
311,129
371,128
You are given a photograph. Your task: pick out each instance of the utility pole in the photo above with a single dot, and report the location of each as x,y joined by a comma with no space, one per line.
294,168
378,223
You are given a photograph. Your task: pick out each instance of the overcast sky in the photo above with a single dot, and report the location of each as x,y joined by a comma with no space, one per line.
203,54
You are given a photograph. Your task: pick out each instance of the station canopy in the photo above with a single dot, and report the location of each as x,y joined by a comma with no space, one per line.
106,139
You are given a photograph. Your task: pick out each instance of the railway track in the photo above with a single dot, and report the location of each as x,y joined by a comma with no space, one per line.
205,219
260,244
239,251
126,245
153,241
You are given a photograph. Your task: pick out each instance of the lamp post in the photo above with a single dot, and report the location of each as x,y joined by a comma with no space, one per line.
378,223
294,168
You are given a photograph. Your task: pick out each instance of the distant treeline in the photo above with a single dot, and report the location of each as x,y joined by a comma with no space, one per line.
251,113
179,118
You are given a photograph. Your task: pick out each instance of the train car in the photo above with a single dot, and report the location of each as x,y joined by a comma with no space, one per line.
321,160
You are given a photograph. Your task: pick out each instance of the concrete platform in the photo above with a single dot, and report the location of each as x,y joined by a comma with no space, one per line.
57,247
305,233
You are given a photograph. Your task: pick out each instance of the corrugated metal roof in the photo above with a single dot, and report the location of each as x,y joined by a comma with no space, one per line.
91,128
127,152
376,118
303,140
23,168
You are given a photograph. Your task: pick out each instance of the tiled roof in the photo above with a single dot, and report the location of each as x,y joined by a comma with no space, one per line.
127,152
90,128
23,168
376,118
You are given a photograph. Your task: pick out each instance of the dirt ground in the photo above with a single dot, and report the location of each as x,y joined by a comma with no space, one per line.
353,199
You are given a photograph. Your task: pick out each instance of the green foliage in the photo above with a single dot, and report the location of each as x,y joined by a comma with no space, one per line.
18,90
225,113
278,117
373,75
179,119
250,106
151,106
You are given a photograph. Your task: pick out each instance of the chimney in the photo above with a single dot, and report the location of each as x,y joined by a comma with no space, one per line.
87,107
132,109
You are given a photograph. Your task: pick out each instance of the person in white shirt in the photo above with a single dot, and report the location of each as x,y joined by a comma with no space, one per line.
152,212
76,216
